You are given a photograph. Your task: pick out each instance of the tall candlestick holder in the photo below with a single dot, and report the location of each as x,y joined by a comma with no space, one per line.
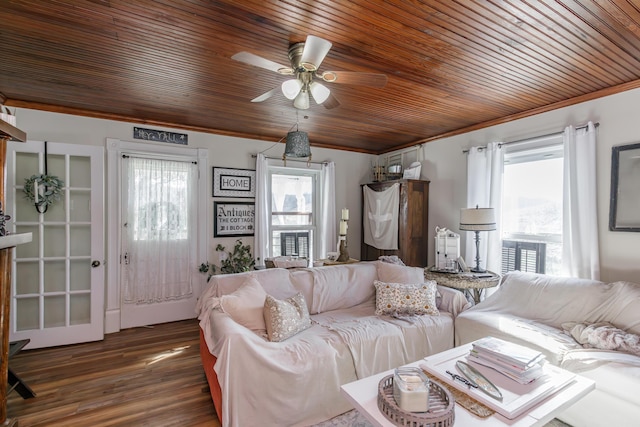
342,242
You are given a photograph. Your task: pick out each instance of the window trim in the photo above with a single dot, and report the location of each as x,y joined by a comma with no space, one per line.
314,172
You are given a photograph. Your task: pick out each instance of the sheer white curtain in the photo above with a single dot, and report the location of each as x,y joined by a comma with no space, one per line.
580,248
263,210
327,227
158,230
484,189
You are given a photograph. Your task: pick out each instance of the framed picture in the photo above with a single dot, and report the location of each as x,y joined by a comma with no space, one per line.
233,219
624,203
234,182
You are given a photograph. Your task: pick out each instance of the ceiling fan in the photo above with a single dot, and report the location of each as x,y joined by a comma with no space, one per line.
305,59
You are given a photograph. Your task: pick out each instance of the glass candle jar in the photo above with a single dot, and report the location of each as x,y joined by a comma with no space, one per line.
411,389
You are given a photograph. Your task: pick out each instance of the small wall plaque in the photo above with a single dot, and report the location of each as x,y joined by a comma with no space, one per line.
160,136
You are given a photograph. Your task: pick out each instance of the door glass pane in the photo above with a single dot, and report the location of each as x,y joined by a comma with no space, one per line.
80,275
80,240
27,314
28,250
80,204
56,165
80,310
80,172
25,209
55,276
54,241
26,165
27,273
56,211
54,311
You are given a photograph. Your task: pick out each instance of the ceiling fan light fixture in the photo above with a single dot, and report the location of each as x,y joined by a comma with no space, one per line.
291,88
319,92
329,76
302,100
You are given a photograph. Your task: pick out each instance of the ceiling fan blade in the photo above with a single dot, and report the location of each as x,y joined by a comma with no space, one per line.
266,95
355,78
331,102
315,49
258,61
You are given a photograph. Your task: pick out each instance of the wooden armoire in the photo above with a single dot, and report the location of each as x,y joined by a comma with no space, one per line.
413,223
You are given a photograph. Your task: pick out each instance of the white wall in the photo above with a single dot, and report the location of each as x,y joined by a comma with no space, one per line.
352,169
618,116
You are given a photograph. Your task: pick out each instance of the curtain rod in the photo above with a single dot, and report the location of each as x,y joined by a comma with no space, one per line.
254,156
534,138
159,157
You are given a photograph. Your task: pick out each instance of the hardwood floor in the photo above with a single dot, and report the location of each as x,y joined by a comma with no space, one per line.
148,376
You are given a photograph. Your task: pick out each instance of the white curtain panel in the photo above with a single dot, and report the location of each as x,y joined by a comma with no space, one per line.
484,189
327,227
263,209
580,248
159,230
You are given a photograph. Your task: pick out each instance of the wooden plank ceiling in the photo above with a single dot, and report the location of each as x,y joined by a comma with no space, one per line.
452,66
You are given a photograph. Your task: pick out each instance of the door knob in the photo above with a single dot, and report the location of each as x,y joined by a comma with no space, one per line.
95,264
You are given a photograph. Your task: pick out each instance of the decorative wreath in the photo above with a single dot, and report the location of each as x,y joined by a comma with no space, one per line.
53,189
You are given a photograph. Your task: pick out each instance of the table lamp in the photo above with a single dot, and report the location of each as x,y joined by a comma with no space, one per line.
477,219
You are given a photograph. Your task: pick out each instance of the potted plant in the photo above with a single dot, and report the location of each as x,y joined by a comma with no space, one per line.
237,261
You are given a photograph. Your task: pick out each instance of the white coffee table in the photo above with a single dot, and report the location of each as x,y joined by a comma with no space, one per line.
363,394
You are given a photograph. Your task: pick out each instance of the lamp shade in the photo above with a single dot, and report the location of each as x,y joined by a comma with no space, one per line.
297,145
477,219
302,100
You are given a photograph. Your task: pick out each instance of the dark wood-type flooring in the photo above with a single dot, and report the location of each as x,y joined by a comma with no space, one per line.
150,376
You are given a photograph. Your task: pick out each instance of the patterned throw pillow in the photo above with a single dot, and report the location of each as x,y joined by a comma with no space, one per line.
396,299
285,318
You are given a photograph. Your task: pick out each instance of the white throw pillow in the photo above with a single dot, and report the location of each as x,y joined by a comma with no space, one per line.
392,273
400,299
285,318
245,305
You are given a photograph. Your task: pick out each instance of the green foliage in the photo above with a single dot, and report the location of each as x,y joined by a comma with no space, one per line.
53,189
237,261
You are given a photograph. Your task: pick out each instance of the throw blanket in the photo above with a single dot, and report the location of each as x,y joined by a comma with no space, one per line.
603,336
378,343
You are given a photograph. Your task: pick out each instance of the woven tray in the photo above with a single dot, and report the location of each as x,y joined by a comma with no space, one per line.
441,406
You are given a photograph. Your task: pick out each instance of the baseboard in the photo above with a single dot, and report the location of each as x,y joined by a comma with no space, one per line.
112,321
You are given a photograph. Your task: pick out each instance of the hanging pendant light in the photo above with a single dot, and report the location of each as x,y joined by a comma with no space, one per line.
297,145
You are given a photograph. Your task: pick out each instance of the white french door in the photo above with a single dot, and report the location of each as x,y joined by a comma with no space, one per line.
159,241
58,278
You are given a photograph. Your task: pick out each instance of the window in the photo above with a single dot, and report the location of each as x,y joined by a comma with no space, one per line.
532,207
294,211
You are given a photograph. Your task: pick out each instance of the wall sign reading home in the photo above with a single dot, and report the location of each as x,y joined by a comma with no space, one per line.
234,182
233,219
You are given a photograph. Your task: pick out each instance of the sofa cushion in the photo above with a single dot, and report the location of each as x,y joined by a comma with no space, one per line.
392,273
603,336
285,318
471,325
342,286
399,299
245,305
546,299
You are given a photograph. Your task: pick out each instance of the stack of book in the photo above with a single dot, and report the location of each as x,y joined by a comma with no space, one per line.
517,362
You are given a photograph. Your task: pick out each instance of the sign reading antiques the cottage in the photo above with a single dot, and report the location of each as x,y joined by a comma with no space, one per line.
234,219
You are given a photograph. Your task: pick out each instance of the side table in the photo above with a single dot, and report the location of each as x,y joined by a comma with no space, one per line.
472,284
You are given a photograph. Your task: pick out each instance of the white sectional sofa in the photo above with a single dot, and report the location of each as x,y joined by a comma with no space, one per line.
548,313
297,381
